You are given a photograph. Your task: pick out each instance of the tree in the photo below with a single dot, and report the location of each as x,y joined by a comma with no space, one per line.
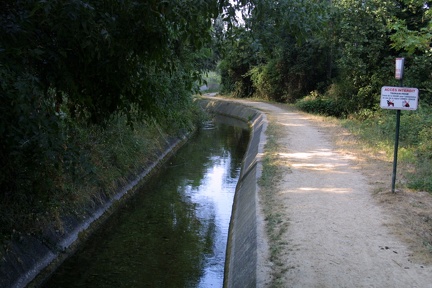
370,37
285,59
234,68
65,64
411,36
98,58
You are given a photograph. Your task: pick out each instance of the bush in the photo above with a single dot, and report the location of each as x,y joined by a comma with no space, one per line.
268,81
421,179
377,127
324,106
43,184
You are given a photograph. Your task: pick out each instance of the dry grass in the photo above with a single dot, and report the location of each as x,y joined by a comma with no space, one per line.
276,224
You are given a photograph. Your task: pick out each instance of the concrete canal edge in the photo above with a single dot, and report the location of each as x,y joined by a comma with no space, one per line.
247,245
29,261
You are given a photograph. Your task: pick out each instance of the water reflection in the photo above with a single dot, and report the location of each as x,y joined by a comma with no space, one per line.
174,232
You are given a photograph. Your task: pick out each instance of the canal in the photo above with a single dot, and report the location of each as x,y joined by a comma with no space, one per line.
173,233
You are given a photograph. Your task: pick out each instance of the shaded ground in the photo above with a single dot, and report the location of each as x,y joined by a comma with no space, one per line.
338,224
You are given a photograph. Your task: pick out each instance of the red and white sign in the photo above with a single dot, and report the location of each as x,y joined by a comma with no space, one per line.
399,98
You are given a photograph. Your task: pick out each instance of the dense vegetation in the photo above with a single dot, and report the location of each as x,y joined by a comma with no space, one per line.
88,87
332,58
75,78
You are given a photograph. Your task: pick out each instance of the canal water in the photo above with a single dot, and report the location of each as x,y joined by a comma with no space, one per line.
173,233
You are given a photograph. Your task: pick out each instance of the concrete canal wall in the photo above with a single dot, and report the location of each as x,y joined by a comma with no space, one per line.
246,239
29,260
24,260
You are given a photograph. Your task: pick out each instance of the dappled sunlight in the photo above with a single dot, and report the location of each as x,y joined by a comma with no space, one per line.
334,190
318,190
293,116
324,154
307,155
320,167
291,124
323,160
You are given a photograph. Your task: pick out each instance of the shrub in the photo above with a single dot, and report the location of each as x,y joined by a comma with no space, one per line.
322,105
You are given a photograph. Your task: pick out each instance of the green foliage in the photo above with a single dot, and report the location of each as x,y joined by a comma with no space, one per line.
107,56
370,37
100,162
377,127
236,64
363,58
281,60
66,66
411,26
323,106
35,141
408,40
422,178
272,21
212,81
418,74
267,81
344,49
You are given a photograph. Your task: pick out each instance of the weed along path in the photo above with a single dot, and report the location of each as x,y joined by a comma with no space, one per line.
325,226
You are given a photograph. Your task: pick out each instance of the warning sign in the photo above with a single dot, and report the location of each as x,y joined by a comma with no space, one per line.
399,98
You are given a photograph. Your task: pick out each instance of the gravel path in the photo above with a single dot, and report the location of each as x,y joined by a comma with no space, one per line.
336,235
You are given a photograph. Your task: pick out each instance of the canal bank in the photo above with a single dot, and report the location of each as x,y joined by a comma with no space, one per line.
27,259
247,244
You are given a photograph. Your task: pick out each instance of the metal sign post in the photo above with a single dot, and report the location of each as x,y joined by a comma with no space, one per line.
398,98
395,154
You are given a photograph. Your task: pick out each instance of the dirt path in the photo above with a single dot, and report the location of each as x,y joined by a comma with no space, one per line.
335,231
